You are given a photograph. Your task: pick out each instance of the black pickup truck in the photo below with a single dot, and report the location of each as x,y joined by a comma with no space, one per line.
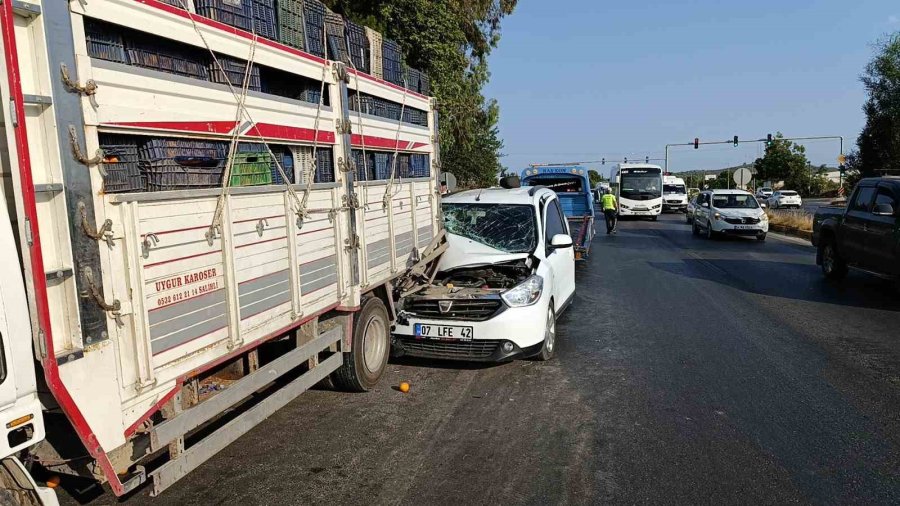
864,234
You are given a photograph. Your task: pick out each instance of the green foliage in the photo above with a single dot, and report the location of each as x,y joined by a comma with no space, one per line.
595,178
784,161
449,40
879,142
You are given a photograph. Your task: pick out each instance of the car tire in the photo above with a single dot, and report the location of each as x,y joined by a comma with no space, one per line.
654,218
761,237
548,349
368,356
694,229
710,233
833,266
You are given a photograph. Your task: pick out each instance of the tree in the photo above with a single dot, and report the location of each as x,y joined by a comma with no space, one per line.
595,178
879,141
450,41
784,161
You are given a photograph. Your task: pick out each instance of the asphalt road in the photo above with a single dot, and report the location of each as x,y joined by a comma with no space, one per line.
688,371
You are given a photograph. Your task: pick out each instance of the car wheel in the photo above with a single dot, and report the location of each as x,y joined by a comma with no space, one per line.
761,237
654,218
833,266
549,347
368,356
694,229
710,234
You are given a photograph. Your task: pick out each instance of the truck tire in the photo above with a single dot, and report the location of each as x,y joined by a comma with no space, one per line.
368,356
833,266
549,346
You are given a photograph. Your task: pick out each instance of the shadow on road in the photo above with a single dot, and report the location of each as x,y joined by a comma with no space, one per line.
444,364
789,280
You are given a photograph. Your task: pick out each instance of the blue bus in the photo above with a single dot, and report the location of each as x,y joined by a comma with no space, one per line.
573,186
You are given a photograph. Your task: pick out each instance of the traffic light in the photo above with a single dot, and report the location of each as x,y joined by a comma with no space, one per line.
646,159
735,141
603,161
768,139
696,143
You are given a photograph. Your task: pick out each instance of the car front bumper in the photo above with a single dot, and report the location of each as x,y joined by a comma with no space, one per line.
723,227
511,333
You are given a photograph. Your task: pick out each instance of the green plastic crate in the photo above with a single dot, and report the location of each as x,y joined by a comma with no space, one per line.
251,169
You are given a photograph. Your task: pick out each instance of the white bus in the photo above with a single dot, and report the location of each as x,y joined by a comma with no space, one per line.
639,189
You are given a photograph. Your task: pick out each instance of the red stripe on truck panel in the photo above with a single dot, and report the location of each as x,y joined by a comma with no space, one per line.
382,142
36,259
206,127
272,131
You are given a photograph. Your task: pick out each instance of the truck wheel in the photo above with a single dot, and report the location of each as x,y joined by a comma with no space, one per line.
833,266
549,347
368,356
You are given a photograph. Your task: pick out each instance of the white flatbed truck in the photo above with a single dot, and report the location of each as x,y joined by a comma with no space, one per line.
154,314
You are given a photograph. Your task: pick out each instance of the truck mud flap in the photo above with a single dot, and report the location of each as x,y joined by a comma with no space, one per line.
190,458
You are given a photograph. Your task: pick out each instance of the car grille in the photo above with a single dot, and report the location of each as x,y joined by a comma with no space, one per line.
457,350
460,309
674,202
742,221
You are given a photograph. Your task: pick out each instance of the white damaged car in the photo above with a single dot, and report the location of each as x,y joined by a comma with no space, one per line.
508,274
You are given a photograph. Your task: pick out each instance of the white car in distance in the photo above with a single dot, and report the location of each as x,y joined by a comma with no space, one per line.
730,212
765,192
785,199
508,274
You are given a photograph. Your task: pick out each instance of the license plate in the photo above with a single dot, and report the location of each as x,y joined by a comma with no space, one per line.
642,212
745,227
452,332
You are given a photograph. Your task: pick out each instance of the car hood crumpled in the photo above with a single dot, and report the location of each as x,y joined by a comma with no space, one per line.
464,252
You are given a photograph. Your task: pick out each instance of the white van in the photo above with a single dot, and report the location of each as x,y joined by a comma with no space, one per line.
675,196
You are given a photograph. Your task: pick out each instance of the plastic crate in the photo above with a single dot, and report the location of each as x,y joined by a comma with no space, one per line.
182,172
418,166
312,94
383,165
314,26
121,162
392,62
376,61
324,166
251,169
357,46
282,153
104,41
403,165
148,52
158,148
411,79
291,27
264,18
238,14
302,161
233,70
364,171
393,110
337,42
380,107
424,83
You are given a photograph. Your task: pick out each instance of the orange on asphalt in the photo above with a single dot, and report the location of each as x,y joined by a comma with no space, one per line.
404,386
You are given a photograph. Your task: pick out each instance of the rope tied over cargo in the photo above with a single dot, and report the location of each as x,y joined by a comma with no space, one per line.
362,133
388,190
89,88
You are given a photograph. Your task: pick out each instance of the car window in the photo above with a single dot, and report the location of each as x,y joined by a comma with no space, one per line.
885,197
863,199
553,220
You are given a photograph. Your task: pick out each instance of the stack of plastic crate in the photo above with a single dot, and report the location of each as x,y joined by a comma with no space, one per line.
357,46
280,152
314,26
104,41
403,165
393,110
383,167
324,165
238,14
291,29
152,52
424,83
264,18
364,171
287,163
411,78
302,162
418,166
121,163
312,93
251,168
392,62
233,71
177,164
376,62
414,116
337,43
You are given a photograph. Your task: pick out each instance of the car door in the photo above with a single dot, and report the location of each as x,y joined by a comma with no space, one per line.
561,260
883,235
852,240
704,208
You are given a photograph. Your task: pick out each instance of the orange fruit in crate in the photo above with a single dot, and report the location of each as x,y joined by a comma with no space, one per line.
404,387
53,481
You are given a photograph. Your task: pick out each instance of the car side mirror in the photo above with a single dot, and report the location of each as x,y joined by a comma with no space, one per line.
883,210
561,241
705,204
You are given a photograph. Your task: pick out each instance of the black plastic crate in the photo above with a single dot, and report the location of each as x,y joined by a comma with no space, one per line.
403,165
393,110
380,107
182,172
104,41
337,43
121,162
148,52
364,171
314,26
264,18
160,148
324,166
418,166
357,46
424,83
383,163
291,28
312,94
233,71
392,62
238,15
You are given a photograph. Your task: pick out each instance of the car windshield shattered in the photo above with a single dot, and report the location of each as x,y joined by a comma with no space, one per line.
735,202
508,228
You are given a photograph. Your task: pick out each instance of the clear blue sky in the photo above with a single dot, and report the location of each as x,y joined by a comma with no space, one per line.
584,79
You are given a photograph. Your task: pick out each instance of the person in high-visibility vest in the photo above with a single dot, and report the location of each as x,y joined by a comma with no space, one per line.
610,210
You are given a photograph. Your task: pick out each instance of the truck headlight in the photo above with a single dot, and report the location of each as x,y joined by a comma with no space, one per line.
623,206
657,206
525,293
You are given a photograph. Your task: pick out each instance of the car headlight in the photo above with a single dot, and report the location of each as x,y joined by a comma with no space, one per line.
623,206
525,293
718,216
764,217
657,206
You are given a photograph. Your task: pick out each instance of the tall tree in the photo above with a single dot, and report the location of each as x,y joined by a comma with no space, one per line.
784,161
879,141
449,40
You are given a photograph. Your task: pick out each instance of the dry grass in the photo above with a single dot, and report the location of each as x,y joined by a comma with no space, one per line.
797,219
